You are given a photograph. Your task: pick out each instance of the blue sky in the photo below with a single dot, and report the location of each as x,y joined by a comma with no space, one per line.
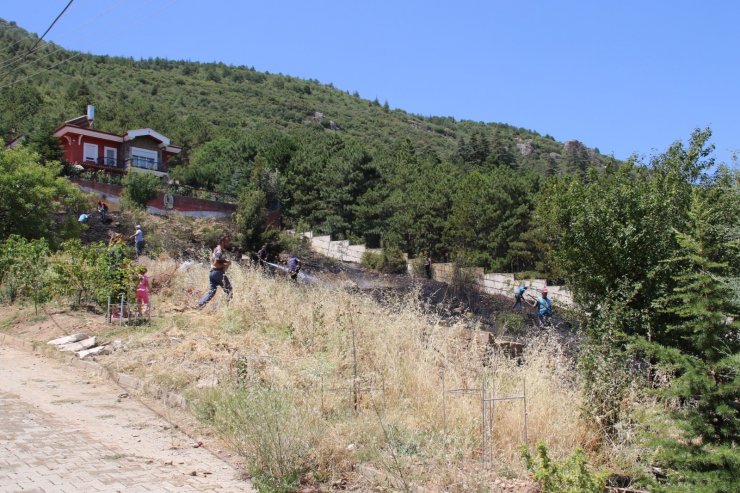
624,76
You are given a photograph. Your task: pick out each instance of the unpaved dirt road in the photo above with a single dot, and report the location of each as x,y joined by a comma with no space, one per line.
62,430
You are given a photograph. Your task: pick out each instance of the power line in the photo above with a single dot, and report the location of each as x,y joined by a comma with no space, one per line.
79,54
52,24
77,29
33,48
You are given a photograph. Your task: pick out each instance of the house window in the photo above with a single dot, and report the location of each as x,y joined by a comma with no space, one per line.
90,152
144,158
111,155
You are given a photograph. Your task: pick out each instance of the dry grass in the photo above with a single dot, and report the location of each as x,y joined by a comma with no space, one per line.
291,352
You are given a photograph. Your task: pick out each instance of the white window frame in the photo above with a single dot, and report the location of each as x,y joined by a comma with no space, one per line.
105,156
86,156
145,154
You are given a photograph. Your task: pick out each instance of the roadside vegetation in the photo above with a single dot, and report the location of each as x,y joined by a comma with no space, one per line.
313,380
307,382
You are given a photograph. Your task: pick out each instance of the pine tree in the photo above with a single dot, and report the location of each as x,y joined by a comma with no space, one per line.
706,331
501,154
704,359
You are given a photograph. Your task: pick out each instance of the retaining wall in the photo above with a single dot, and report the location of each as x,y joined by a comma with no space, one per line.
186,206
491,283
499,283
340,250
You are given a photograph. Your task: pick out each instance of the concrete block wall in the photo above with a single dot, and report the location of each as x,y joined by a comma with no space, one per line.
340,249
492,283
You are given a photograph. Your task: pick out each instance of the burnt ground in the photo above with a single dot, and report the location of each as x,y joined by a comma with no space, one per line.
450,304
180,237
190,239
98,230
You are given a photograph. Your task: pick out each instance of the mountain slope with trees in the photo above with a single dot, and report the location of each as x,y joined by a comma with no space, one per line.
329,159
650,250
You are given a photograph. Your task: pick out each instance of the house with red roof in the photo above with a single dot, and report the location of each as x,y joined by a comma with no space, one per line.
140,150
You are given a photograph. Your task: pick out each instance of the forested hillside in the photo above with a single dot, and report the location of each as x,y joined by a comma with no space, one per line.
336,162
650,250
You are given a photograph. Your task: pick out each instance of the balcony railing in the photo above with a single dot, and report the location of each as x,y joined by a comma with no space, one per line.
147,163
106,163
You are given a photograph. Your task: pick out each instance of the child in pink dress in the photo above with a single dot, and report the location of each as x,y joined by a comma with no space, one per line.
142,291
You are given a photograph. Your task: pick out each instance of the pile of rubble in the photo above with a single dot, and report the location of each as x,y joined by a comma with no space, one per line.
83,346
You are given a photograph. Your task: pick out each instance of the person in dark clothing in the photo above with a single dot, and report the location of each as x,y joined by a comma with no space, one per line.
428,267
294,267
217,276
103,211
262,257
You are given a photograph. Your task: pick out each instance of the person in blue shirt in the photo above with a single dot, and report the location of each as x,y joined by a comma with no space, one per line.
519,296
543,304
83,218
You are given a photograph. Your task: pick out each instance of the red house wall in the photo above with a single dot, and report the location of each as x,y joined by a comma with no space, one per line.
74,151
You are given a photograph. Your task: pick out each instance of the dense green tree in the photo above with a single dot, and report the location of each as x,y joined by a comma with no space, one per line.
617,229
501,152
651,253
490,213
41,140
251,219
703,360
140,188
19,104
30,193
325,180
419,202
223,164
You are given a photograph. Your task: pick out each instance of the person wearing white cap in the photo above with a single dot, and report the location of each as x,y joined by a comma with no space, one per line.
138,238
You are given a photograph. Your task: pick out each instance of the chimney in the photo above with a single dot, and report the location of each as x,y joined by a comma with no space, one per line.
90,114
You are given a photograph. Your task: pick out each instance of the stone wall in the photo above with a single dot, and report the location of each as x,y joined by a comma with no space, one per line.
340,250
500,283
491,283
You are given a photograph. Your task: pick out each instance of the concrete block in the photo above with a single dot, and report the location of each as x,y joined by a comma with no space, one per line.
79,346
93,351
67,339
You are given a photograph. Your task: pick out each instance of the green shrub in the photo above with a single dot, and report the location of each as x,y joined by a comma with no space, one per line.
140,188
573,475
295,243
372,260
389,259
92,272
24,269
511,323
267,426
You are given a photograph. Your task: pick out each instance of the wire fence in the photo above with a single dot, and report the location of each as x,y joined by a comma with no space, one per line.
122,312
